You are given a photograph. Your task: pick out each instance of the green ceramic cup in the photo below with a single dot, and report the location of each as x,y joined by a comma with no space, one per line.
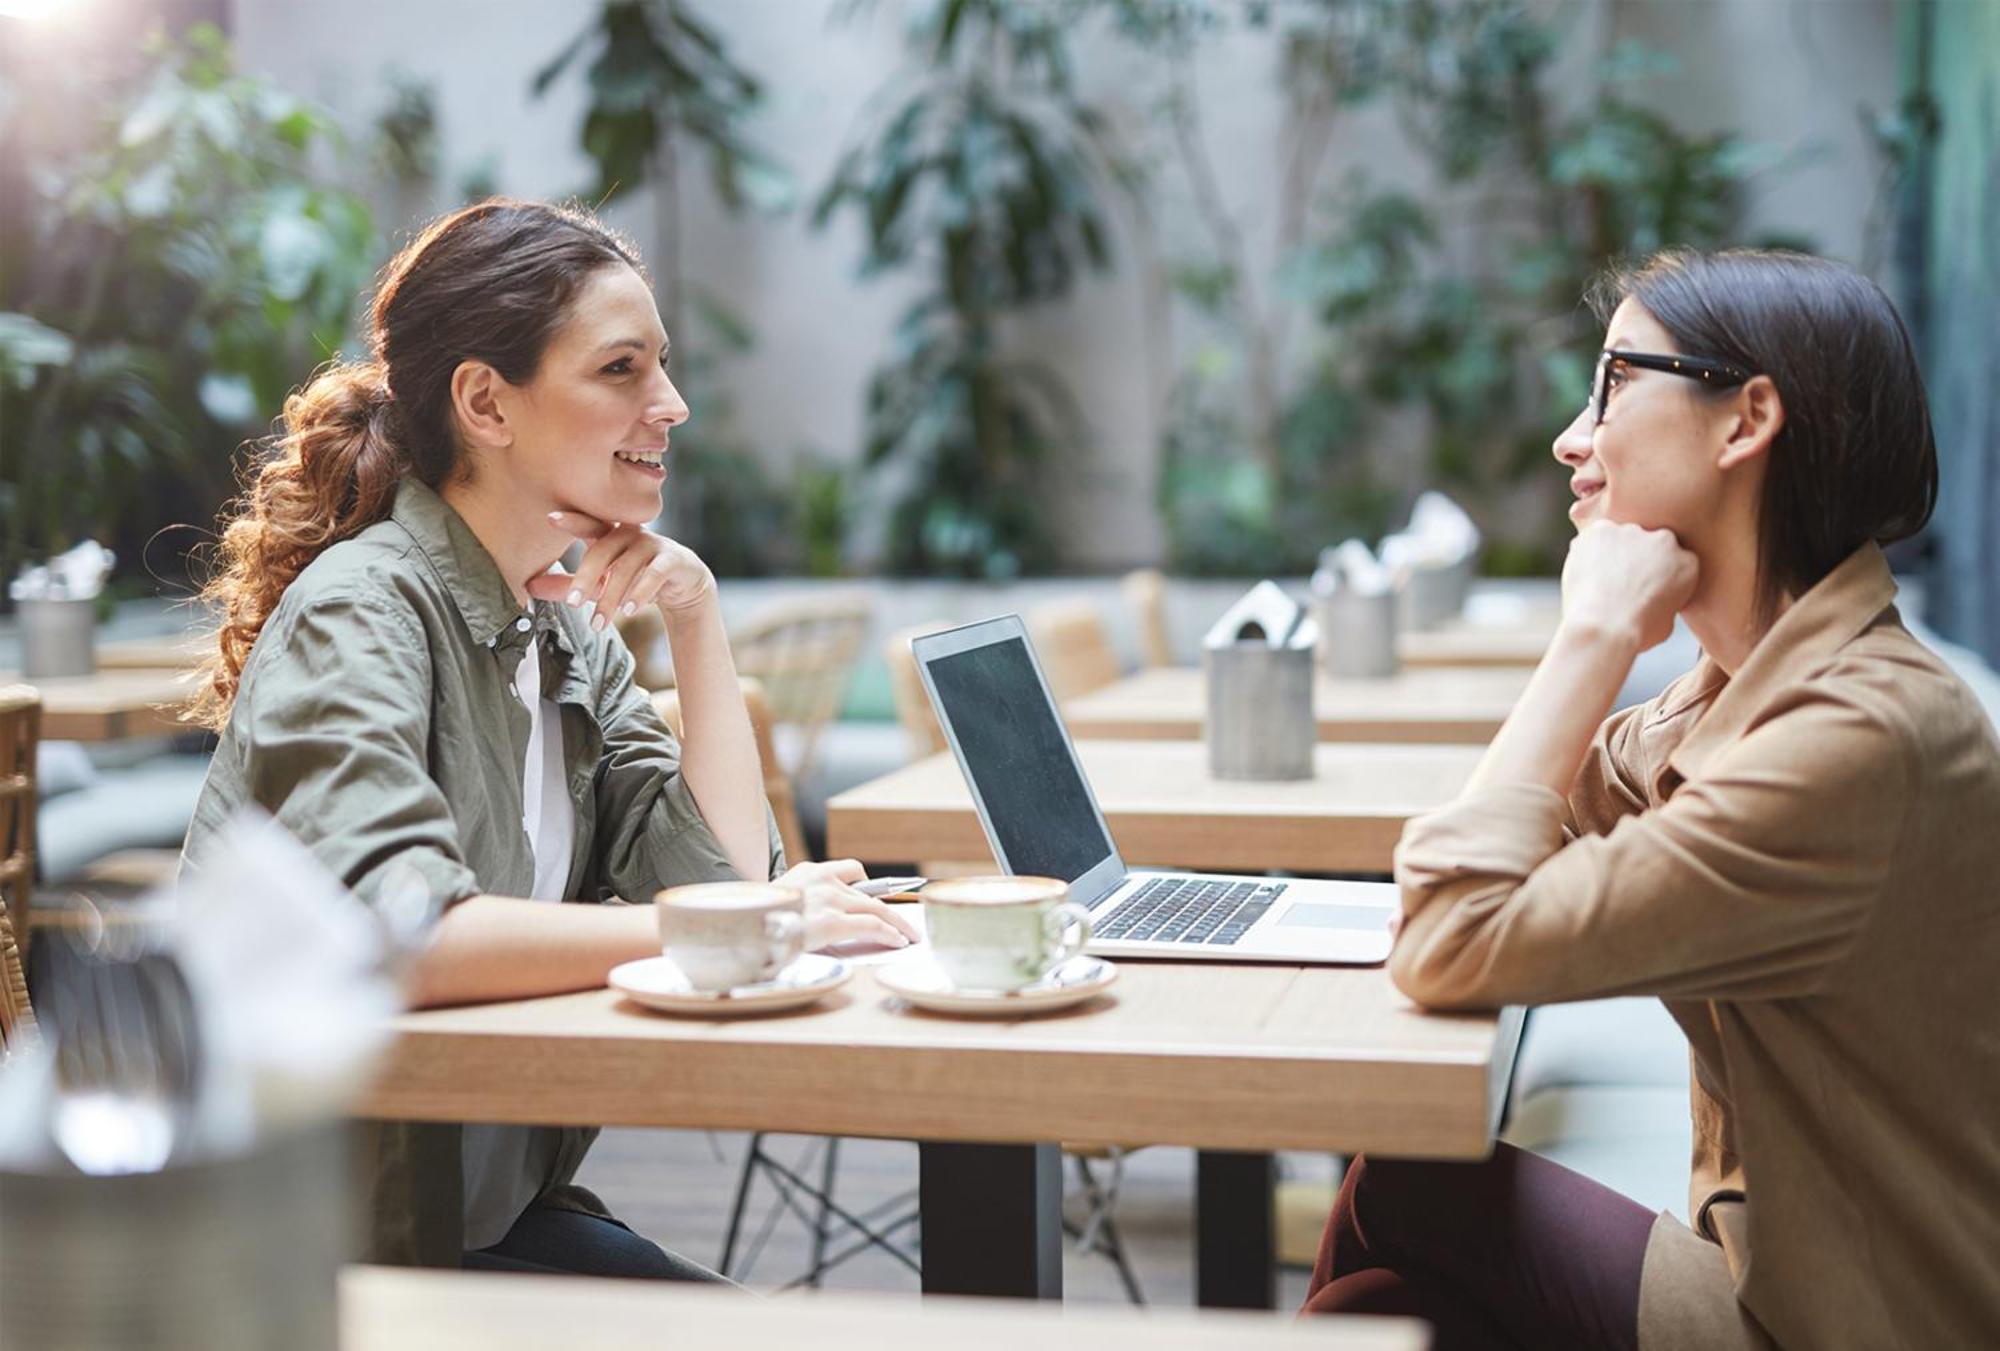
1002,933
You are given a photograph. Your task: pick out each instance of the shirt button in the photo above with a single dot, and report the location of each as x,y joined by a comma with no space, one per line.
523,624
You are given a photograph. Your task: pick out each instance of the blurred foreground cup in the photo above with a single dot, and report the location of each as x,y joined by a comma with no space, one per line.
234,1254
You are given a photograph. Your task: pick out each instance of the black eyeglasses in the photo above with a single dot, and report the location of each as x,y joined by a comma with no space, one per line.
1719,374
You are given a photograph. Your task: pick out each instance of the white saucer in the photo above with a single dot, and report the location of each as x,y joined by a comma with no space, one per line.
658,984
917,980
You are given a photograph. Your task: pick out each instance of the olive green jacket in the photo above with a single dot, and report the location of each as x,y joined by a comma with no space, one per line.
376,721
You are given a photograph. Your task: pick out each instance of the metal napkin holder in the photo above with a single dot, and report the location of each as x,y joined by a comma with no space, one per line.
1258,660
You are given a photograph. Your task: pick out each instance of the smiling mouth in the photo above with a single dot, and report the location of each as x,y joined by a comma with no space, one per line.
644,459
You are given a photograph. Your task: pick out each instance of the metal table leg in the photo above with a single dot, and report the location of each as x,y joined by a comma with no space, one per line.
992,1219
1236,1234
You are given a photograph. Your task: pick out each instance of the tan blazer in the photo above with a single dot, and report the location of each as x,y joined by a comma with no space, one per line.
1803,862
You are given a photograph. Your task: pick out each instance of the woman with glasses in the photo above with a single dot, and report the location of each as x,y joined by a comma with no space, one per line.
1796,847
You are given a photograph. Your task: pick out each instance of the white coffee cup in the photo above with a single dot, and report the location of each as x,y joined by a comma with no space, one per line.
1002,933
725,934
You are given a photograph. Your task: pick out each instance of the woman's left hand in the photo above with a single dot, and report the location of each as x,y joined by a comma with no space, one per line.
624,567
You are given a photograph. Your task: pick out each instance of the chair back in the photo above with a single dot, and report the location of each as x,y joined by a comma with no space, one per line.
20,731
777,785
644,633
17,1019
1074,647
913,706
804,652
1146,592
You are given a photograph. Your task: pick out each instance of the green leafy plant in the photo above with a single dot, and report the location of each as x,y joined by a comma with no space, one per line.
170,277
1486,341
983,171
663,85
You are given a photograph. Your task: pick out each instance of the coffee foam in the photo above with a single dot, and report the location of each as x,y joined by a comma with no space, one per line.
990,891
729,896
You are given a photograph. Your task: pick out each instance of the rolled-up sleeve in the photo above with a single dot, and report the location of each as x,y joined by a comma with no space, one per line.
342,761
652,833
1751,881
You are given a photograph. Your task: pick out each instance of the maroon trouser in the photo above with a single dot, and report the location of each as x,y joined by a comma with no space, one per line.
1514,1252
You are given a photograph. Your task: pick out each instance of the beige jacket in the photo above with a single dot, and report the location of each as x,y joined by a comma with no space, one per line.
1803,862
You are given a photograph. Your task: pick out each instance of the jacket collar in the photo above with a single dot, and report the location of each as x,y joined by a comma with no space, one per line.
472,579
1832,614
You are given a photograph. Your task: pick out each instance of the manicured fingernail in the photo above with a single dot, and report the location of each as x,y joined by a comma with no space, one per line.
628,607
598,623
573,598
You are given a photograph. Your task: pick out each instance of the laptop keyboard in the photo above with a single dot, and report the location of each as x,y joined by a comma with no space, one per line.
1189,910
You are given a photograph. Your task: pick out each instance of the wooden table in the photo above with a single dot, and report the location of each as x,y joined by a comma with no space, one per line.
1165,811
1235,1060
110,705
170,652
1460,704
391,1309
1474,641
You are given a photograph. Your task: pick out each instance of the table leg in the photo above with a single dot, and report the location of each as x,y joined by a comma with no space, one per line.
992,1219
1236,1235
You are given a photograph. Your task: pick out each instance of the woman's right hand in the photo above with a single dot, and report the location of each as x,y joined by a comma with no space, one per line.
1625,578
625,566
837,913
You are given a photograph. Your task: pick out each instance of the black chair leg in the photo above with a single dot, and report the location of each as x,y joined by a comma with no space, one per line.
751,1158
823,1216
1099,1231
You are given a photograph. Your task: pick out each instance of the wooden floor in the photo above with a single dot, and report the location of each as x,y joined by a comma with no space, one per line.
675,1187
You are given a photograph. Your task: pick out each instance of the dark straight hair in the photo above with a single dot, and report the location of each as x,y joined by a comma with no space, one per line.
1855,460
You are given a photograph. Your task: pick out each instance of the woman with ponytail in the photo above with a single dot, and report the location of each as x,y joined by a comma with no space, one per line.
409,684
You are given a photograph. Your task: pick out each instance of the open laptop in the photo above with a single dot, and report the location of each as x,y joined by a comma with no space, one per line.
1042,819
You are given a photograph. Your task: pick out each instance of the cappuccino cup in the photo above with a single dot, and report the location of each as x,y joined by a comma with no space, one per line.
725,934
1002,933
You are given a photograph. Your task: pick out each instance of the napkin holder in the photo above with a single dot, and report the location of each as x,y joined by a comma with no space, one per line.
1258,660
1357,634
58,636
1433,593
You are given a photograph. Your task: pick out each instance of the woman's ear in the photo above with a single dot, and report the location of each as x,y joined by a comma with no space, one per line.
477,405
1756,416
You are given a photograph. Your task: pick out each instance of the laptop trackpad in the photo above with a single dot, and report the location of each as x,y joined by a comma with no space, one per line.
1322,915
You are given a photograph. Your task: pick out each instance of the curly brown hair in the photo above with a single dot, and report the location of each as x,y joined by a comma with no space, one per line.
493,283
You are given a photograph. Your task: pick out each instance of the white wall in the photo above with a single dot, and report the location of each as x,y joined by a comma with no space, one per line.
1789,71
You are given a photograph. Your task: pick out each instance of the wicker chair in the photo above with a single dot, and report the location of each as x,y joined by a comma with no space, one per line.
804,652
20,730
913,706
1146,592
644,632
1074,648
17,1018
777,786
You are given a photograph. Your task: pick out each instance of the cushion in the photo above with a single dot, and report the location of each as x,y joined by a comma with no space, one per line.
62,767
1629,1042
147,806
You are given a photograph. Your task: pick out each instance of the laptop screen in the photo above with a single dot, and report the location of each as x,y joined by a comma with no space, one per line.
1019,760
